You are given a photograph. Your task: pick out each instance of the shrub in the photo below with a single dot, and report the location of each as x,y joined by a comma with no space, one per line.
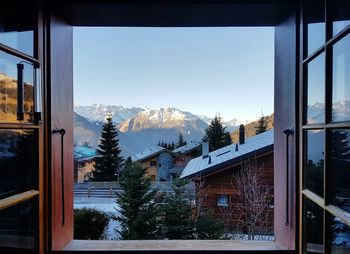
89,223
208,227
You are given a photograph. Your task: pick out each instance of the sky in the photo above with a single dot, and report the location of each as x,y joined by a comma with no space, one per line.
226,71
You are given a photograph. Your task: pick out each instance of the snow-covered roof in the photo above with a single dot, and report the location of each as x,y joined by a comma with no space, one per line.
228,154
83,153
149,152
187,148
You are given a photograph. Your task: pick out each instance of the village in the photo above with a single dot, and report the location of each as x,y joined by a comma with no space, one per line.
203,183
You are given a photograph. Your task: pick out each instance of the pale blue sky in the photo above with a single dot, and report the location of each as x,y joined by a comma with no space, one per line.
221,70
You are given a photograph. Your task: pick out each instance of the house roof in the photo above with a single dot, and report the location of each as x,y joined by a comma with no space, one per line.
188,147
228,155
83,152
149,152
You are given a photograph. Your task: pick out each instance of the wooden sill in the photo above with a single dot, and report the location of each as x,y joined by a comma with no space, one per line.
171,245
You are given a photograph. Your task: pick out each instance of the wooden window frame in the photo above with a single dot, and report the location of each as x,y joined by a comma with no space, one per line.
323,202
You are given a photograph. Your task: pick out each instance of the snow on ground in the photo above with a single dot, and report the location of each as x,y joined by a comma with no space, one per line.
106,205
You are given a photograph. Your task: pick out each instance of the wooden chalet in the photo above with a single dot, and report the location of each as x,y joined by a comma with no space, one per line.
161,164
214,174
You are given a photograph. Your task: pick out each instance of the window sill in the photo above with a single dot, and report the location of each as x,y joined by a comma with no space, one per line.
172,245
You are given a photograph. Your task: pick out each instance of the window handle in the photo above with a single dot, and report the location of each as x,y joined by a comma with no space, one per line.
62,132
20,92
288,132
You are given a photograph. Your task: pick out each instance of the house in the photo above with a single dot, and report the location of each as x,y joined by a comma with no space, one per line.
84,162
214,174
189,151
161,164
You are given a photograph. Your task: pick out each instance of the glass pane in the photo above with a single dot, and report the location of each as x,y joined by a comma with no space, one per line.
314,161
340,236
18,159
314,24
8,89
313,227
18,33
316,90
341,80
340,15
340,168
18,228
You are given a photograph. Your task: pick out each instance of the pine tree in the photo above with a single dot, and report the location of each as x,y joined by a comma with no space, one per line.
138,213
177,222
180,141
262,125
109,161
216,134
172,145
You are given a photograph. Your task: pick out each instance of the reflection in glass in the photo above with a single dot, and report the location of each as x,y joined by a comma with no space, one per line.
314,20
18,158
314,161
340,15
341,80
8,89
18,228
18,33
316,90
340,168
340,236
313,227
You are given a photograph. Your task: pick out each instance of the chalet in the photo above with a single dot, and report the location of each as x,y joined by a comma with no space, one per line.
84,161
189,151
161,164
214,172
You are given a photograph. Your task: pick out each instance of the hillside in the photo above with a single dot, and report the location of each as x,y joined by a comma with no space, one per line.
250,128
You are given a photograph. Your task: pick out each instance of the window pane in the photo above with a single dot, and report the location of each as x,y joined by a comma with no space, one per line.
314,17
8,89
18,158
18,33
341,80
340,15
340,168
316,90
18,228
340,236
313,227
314,161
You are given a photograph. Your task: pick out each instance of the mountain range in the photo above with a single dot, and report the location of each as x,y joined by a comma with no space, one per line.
140,127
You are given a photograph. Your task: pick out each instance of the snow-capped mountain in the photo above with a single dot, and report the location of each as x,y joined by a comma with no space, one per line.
233,124
98,112
340,109
164,118
150,126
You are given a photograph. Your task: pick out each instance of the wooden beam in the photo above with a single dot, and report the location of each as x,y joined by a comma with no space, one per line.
15,199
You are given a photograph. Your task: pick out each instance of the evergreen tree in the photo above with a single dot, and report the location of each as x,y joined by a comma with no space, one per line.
262,125
180,141
177,222
216,134
172,145
138,213
108,162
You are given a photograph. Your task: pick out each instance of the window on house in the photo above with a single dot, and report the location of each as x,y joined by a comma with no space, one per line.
222,200
153,163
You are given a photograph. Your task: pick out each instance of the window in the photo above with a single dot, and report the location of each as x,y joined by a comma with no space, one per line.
326,129
222,200
153,163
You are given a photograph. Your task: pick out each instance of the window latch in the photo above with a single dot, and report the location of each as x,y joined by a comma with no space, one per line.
288,132
62,132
